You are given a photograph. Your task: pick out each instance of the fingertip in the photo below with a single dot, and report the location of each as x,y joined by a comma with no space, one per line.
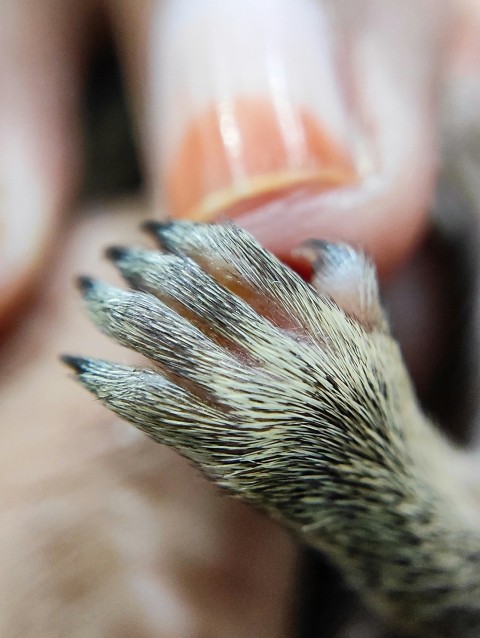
39,138
268,115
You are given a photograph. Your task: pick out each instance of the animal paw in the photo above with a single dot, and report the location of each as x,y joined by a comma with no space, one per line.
267,384
295,398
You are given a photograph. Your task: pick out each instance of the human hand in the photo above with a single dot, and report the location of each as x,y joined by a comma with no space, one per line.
260,108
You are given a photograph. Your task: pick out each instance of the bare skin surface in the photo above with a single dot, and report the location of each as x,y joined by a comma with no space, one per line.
105,533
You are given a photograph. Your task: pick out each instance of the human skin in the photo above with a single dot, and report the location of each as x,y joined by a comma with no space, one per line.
393,109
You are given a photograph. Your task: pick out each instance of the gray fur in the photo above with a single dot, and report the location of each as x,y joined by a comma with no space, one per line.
303,409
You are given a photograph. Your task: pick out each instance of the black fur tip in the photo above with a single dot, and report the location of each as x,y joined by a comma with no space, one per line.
85,284
77,364
159,230
156,228
116,253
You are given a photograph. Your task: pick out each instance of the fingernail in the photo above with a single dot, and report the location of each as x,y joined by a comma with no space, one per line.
247,104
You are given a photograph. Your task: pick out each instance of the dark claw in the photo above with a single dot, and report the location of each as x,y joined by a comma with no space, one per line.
85,284
157,229
161,231
77,364
116,253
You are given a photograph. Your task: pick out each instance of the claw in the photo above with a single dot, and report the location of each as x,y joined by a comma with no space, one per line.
348,277
157,406
78,364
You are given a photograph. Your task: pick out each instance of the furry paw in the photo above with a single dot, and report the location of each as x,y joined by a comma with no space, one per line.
295,398
279,394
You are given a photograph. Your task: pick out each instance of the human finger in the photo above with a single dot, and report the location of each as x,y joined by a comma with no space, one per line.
298,119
